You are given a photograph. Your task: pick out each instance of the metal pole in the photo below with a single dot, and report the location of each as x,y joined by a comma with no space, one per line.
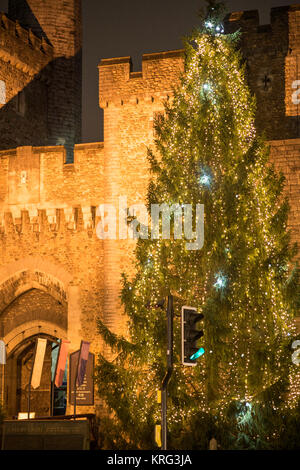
167,377
28,407
76,375
54,376
52,398
29,384
2,385
75,390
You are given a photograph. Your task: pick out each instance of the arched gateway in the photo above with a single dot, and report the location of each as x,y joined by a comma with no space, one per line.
33,304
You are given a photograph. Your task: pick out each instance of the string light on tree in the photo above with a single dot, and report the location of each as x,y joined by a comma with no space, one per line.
206,87
211,119
205,179
214,28
208,93
221,281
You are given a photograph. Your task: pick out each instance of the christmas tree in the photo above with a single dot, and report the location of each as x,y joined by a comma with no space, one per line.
242,280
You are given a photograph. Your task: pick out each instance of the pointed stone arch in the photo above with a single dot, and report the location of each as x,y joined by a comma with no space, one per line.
23,284
33,272
36,272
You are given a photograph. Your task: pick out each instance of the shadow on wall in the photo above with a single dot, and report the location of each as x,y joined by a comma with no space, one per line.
23,119
21,10
266,52
43,112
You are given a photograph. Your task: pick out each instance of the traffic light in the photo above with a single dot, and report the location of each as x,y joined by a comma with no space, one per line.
190,334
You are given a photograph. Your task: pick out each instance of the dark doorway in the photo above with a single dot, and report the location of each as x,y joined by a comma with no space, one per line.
39,398
59,393
18,372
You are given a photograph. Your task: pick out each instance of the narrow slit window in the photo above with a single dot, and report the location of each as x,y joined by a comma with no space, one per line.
21,103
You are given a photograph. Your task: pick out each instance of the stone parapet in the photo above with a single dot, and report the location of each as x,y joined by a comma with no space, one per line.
22,48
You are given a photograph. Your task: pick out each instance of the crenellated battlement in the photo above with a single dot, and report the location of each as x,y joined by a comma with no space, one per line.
282,32
56,220
272,56
118,84
48,207
41,193
22,47
38,177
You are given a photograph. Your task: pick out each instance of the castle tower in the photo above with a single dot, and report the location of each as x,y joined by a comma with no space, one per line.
272,56
59,23
131,101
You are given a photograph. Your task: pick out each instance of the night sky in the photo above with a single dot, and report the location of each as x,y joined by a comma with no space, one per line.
114,28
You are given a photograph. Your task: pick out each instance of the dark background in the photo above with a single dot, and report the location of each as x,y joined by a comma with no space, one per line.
114,28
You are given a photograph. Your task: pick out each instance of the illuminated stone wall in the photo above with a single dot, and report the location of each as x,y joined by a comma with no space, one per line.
48,217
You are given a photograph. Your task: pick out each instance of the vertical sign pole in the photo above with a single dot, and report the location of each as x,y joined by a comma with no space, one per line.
3,385
75,385
29,384
2,364
75,391
53,379
166,379
52,398
28,405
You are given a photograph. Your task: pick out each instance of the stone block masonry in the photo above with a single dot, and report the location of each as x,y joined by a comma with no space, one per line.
49,245
272,58
48,216
285,154
56,24
23,62
130,101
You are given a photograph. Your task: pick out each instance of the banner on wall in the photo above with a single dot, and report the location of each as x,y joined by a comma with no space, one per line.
61,362
82,361
38,362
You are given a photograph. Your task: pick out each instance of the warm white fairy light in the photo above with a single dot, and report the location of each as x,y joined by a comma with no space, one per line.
205,179
220,282
258,311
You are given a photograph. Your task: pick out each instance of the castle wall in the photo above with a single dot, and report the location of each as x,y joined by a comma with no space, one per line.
48,215
130,101
272,57
285,154
23,107
48,242
59,24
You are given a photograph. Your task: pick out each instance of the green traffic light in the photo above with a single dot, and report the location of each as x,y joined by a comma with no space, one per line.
197,354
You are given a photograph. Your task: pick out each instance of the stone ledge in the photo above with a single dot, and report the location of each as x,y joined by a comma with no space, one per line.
276,143
89,145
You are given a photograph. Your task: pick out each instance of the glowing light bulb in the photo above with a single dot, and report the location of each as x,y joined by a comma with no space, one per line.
205,180
221,281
